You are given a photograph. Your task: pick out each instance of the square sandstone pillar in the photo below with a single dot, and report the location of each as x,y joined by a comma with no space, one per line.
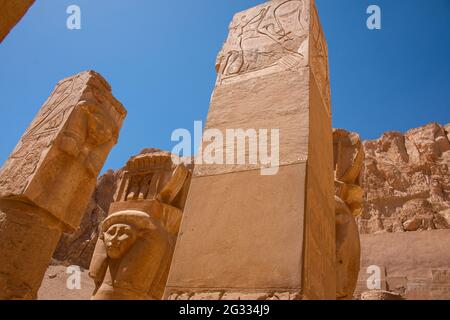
249,236
47,182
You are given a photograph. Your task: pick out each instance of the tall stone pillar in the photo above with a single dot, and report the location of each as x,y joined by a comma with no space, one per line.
11,11
245,235
47,181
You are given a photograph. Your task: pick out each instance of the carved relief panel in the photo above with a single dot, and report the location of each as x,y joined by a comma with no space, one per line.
65,147
265,39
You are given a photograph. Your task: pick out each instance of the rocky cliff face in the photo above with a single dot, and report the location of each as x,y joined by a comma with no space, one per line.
406,178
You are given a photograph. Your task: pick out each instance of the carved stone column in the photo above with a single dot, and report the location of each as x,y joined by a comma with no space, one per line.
134,251
47,181
252,236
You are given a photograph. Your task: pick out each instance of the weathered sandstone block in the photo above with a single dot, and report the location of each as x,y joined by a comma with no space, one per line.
46,183
246,235
11,11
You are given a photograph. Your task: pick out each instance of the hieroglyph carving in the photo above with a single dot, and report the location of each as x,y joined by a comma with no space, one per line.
266,39
77,126
46,183
319,59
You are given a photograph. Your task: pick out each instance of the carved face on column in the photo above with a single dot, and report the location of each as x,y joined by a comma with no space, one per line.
119,238
101,128
89,134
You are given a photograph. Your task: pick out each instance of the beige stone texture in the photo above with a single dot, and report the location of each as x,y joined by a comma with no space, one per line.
245,296
228,238
380,295
416,264
11,11
407,181
64,148
348,154
367,281
54,285
134,250
249,236
46,183
78,247
348,164
348,251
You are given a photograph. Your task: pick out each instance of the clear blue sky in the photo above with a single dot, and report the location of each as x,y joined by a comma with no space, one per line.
159,58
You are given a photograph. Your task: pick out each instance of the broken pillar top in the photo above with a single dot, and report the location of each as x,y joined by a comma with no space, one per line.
56,162
276,36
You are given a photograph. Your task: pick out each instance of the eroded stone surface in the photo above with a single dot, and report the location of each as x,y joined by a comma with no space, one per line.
236,295
64,148
348,157
380,295
407,181
11,11
47,181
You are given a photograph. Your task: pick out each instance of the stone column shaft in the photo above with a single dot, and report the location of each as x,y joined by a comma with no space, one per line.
46,183
252,236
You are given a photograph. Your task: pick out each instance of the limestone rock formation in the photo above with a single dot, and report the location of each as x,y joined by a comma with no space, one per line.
11,11
407,181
